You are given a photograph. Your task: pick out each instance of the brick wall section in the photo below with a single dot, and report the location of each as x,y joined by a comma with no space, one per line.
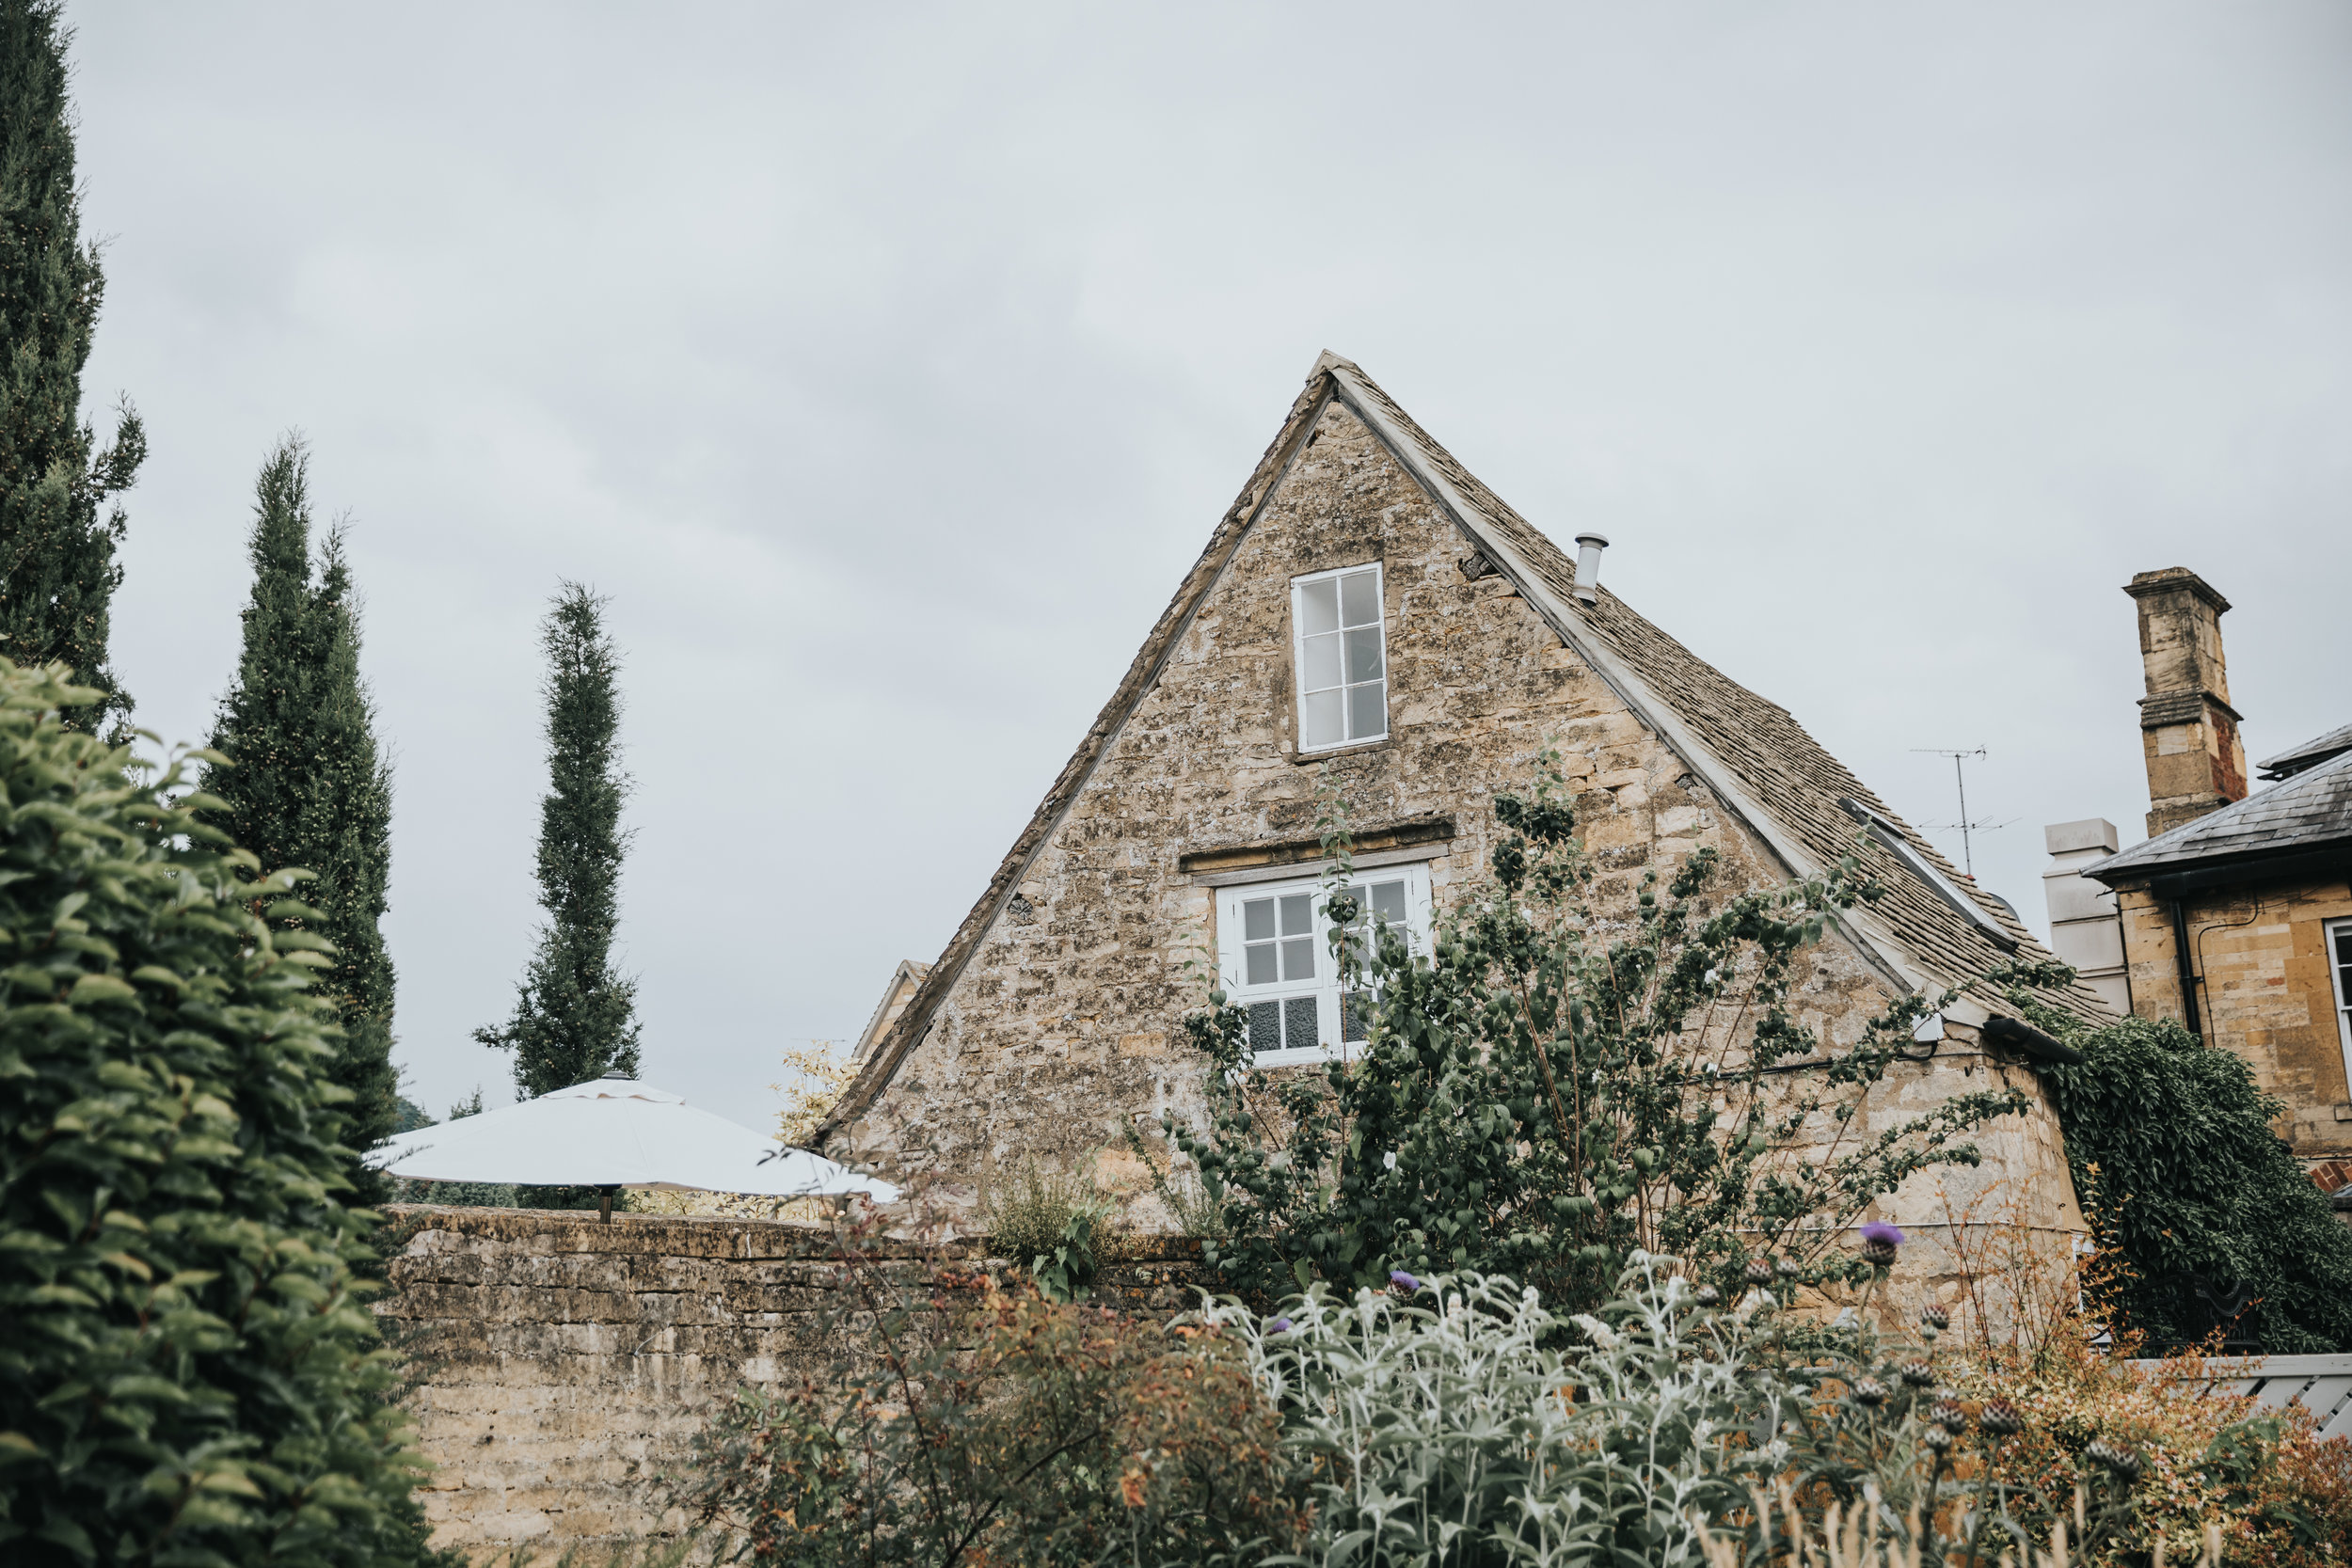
559,1368
2265,994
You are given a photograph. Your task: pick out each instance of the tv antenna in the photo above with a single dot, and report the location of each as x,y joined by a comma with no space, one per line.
1966,826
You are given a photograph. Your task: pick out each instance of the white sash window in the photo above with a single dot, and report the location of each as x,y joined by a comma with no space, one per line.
1274,958
1342,658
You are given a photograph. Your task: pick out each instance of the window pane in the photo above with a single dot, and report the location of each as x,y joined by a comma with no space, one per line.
1360,599
2343,944
1257,920
1368,710
1388,902
1323,662
1319,719
1298,914
1266,1026
1298,1023
1319,607
1261,970
1298,959
1355,1017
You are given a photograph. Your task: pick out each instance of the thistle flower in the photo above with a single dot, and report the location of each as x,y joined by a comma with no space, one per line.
2000,1419
1950,1417
1918,1374
1404,1281
1706,1295
1934,1317
1786,1267
1869,1391
1937,1440
1280,1326
2123,1463
1879,1242
1759,1271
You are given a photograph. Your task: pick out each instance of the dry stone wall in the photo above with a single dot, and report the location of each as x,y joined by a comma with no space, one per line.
560,1368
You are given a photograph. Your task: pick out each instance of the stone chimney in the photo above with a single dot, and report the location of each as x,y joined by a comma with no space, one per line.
2196,762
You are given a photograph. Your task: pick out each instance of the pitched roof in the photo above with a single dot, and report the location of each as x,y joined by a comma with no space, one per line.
1752,754
2310,754
2309,811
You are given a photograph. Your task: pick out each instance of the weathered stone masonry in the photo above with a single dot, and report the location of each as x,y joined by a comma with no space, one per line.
559,1368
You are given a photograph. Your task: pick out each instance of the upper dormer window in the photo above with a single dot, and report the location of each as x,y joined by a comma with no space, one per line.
1342,658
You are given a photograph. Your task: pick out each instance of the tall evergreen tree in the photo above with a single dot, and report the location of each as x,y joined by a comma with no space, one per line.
575,1016
57,569
308,787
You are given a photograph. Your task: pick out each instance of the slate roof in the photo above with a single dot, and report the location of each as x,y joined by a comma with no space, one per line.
1749,747
1752,755
2311,811
2310,754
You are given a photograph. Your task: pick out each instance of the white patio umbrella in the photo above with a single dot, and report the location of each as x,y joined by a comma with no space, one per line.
617,1133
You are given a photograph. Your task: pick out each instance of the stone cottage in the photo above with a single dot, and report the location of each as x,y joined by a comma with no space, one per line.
2235,915
1370,612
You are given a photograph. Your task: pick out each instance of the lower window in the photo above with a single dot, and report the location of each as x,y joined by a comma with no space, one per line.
1274,959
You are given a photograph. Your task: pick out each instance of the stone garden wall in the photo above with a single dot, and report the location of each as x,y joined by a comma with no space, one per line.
559,1368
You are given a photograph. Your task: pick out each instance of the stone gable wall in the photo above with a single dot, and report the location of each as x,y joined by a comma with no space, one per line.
1066,1025
2266,995
559,1368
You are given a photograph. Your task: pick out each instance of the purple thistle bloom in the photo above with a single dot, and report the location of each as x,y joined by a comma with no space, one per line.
1404,1281
1882,1233
1280,1326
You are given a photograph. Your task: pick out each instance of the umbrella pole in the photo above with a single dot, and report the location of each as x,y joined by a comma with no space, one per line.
604,1204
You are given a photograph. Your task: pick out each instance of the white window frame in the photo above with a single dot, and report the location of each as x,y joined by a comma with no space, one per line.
1324,986
2340,976
1298,655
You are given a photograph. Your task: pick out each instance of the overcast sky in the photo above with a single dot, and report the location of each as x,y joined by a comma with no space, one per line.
888,366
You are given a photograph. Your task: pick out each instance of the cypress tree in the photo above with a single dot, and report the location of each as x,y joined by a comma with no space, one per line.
575,1016
306,786
57,569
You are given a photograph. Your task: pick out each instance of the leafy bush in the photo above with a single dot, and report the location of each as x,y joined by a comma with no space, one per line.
1054,1224
2179,1172
190,1374
981,1426
1557,1086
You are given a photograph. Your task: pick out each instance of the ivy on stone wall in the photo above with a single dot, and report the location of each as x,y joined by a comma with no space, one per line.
2181,1175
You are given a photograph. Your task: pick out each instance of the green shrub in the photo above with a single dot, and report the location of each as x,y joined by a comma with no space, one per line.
1054,1224
190,1374
971,1425
1558,1086
2179,1172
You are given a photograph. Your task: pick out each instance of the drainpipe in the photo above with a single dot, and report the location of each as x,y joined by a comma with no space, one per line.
2181,951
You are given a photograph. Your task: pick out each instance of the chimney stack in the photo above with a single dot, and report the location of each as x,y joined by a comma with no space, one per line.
2196,762
1588,549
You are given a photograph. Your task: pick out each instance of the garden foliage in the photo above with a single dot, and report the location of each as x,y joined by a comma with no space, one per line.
978,1426
308,786
574,1014
2171,1144
190,1375
58,567
1559,1085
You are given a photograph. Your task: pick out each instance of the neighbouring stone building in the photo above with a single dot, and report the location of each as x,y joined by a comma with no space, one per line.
2235,916
1369,612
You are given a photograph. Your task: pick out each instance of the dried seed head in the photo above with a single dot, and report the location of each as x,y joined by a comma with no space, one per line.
1950,1417
1759,1271
1870,1390
1937,1439
2001,1418
1934,1317
1919,1374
